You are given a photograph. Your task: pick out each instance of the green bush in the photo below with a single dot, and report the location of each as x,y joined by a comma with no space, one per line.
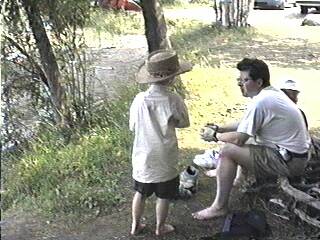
80,176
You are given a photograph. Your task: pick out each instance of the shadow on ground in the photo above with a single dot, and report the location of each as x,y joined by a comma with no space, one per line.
212,45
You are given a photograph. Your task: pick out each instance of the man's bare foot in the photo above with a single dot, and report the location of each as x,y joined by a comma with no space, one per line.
211,173
165,229
210,212
137,229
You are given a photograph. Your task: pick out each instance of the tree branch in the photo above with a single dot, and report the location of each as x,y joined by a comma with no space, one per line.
303,216
299,195
31,60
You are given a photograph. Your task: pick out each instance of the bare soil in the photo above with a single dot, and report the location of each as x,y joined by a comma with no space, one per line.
119,65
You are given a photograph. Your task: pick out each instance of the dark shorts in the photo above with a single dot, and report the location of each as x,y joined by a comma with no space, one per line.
164,190
269,162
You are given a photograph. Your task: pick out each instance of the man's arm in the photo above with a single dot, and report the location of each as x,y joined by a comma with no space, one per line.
231,127
236,138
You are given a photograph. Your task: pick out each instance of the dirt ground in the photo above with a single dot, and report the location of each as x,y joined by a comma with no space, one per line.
111,62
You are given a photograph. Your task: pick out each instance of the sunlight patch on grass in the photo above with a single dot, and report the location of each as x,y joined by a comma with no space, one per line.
309,83
213,97
105,26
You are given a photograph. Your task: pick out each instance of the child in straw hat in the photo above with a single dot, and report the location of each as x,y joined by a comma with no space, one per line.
154,116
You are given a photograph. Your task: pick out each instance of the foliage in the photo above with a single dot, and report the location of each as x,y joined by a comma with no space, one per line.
23,65
116,22
104,26
81,176
183,3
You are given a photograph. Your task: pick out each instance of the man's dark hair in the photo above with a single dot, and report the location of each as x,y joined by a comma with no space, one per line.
256,68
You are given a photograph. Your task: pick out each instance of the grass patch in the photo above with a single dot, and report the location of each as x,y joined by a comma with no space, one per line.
213,97
206,44
82,176
104,26
184,3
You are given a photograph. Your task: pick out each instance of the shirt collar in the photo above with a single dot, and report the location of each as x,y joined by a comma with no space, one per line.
157,88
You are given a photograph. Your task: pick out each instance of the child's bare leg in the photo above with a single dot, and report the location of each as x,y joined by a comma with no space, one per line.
162,208
138,204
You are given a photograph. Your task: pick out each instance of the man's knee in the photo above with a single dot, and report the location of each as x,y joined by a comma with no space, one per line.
228,151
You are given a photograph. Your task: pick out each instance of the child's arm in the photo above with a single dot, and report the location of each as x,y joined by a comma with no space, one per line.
181,115
132,115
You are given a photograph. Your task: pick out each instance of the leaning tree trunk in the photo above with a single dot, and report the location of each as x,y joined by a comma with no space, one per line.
48,60
155,26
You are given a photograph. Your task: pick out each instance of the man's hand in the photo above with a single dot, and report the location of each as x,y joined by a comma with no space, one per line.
209,133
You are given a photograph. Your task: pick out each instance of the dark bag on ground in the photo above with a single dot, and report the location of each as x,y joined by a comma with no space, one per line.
243,225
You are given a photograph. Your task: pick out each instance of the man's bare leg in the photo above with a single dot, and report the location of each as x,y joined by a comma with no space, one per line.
225,174
138,204
231,155
162,209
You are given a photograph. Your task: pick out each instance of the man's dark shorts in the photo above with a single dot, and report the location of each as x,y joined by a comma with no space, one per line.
164,190
269,162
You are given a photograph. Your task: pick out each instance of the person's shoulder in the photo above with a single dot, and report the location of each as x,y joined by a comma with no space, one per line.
174,95
139,95
138,98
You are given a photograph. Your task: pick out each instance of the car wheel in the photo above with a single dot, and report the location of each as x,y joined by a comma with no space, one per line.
318,8
304,10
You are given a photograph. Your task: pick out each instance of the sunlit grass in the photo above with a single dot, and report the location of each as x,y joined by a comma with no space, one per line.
105,26
213,98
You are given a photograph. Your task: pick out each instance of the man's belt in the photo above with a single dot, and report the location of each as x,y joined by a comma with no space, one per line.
298,155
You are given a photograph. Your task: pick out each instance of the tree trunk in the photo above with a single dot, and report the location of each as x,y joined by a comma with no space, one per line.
231,13
155,26
48,60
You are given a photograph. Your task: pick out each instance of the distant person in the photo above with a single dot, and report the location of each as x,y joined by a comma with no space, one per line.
282,141
154,116
289,87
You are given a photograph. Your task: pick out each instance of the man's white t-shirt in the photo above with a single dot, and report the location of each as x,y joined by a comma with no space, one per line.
275,121
154,115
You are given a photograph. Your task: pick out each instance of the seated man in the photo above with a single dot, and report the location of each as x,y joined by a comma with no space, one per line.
281,138
290,88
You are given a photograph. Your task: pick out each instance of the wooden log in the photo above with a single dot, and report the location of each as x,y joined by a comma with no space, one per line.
305,187
304,217
299,195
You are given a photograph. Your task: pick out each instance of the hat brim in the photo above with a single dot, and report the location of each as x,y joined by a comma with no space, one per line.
143,76
292,88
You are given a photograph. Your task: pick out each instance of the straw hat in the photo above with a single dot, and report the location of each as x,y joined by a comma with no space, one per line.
289,85
160,66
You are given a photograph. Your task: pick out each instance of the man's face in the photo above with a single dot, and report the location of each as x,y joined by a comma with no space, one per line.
248,87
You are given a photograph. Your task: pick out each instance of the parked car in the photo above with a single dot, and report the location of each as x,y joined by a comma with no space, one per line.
290,3
269,4
306,4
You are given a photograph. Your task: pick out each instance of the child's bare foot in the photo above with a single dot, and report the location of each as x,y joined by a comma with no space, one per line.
211,173
137,229
165,229
210,212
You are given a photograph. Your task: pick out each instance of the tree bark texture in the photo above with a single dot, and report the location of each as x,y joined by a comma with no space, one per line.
47,58
155,26
232,13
